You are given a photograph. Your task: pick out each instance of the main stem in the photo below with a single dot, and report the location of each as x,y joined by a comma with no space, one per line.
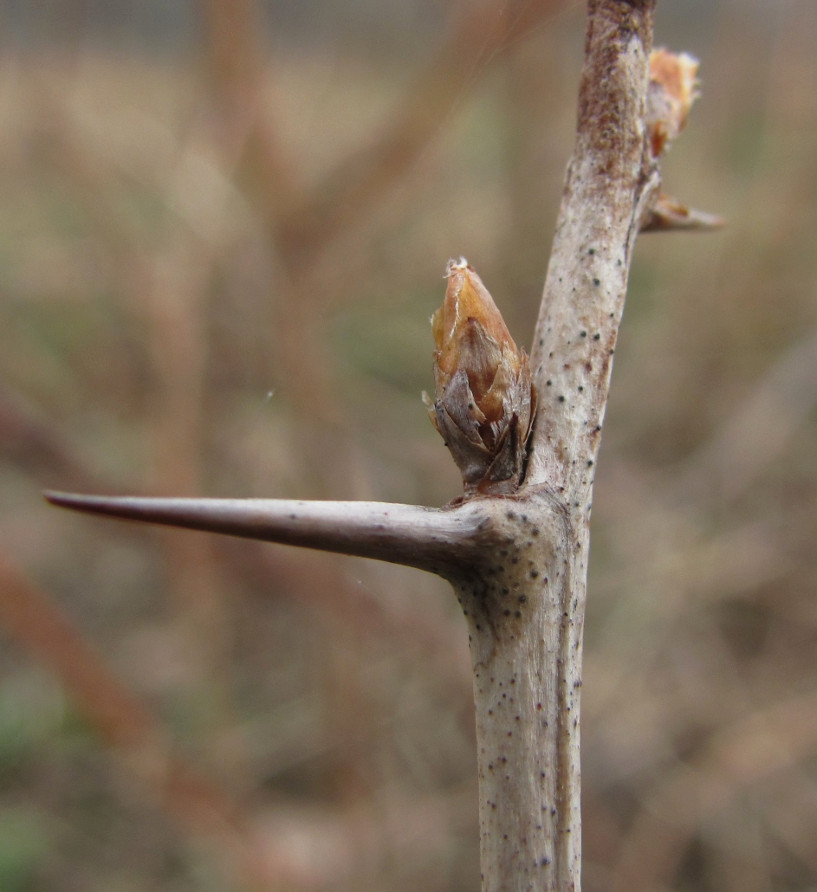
523,605
526,605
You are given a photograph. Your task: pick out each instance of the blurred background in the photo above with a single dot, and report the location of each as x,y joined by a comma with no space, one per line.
223,230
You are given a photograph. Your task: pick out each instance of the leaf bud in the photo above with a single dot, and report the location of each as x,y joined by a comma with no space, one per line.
671,92
484,400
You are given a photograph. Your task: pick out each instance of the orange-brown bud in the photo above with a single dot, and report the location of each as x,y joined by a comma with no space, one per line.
484,400
671,92
670,96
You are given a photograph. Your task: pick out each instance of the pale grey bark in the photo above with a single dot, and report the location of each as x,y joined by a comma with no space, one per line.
517,561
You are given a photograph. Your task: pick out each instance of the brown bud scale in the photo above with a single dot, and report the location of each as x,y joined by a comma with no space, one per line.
484,399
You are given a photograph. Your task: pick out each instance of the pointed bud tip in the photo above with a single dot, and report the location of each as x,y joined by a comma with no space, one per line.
466,301
456,265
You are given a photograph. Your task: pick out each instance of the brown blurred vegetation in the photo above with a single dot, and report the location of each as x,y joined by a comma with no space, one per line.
218,268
